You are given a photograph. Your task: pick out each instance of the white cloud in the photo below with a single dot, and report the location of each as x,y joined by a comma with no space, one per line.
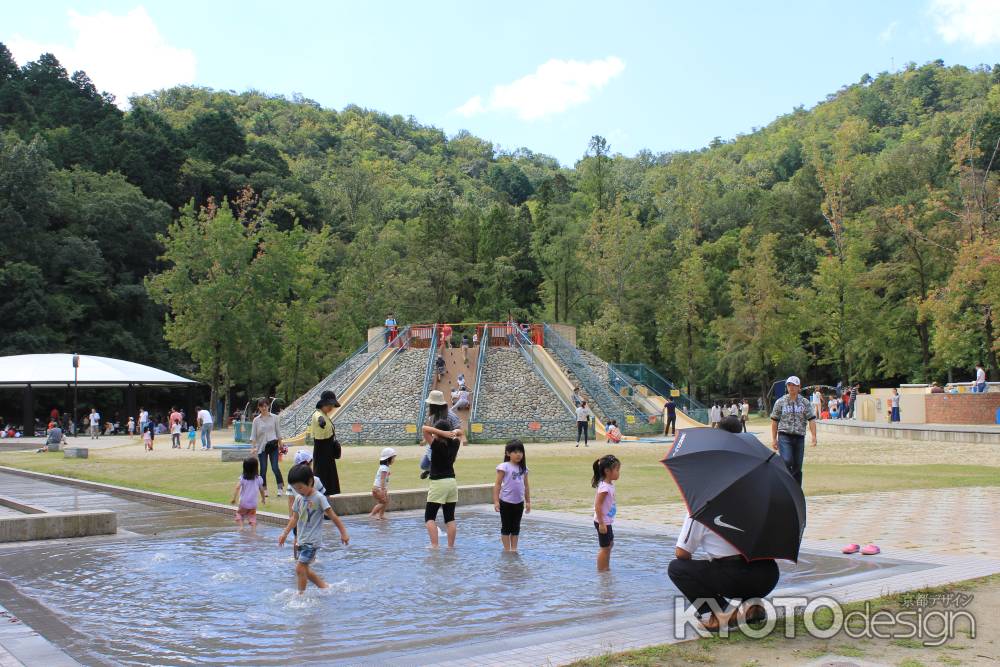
974,21
124,55
553,88
887,34
472,107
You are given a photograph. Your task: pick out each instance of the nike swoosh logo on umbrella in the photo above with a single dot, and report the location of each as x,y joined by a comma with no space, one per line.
720,522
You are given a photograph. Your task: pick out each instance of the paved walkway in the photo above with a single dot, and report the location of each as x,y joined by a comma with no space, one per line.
897,521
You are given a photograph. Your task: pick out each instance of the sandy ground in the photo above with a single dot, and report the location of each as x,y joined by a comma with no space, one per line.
833,449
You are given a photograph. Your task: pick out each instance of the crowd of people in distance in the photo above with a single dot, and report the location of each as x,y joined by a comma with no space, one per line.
740,409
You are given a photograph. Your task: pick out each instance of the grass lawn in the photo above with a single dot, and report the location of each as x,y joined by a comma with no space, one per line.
560,474
775,649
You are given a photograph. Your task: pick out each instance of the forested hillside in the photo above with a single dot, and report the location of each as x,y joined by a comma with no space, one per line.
250,239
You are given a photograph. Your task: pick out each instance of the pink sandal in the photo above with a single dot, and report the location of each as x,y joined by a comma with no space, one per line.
851,549
870,550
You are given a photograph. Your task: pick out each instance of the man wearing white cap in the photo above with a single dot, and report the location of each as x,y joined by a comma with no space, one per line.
789,418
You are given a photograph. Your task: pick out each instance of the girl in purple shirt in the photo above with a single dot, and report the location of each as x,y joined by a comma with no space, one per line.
511,493
249,486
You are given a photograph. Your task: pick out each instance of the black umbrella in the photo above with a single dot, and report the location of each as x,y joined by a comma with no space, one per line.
740,490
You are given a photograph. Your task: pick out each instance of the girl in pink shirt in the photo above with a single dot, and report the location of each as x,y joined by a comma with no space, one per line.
607,469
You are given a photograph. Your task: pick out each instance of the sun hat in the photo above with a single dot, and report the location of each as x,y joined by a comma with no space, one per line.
793,379
387,453
303,456
435,398
327,398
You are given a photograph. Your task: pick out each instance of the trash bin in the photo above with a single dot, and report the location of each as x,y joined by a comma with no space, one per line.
241,431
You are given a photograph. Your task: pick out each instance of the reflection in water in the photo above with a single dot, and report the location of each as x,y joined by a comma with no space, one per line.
229,597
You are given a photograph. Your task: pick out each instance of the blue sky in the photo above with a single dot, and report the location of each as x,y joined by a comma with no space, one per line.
544,75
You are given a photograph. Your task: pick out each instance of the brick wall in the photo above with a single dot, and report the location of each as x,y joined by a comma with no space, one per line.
962,408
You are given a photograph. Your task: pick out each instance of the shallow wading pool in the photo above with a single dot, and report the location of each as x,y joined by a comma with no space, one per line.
211,595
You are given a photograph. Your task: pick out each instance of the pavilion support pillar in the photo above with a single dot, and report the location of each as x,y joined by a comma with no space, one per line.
28,413
189,405
131,409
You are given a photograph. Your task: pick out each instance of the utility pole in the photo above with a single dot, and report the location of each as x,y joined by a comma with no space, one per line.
76,367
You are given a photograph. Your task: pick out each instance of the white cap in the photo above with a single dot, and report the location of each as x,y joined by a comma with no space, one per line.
793,379
387,453
303,456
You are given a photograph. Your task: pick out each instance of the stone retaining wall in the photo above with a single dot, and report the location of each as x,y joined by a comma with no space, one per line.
294,418
515,402
393,396
387,410
511,389
527,431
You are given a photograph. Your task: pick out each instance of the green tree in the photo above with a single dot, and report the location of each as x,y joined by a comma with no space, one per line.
596,174
967,307
219,270
762,334
681,317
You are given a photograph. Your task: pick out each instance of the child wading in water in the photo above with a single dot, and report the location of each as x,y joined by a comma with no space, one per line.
606,470
302,457
380,489
308,511
511,493
249,486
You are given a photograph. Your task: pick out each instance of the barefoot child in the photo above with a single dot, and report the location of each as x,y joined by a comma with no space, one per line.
606,470
511,493
302,457
380,489
147,437
308,511
249,486
191,437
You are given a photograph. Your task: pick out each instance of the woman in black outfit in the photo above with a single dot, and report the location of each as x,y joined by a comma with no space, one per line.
326,448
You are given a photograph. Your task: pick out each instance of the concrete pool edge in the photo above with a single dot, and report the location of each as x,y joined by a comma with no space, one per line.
22,646
348,504
35,522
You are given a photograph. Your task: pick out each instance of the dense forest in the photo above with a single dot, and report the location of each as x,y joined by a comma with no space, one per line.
249,240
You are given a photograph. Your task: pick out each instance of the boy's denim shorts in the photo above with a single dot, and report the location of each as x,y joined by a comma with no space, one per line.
307,553
425,461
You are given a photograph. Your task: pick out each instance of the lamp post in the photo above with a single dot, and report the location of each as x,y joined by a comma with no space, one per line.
76,367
